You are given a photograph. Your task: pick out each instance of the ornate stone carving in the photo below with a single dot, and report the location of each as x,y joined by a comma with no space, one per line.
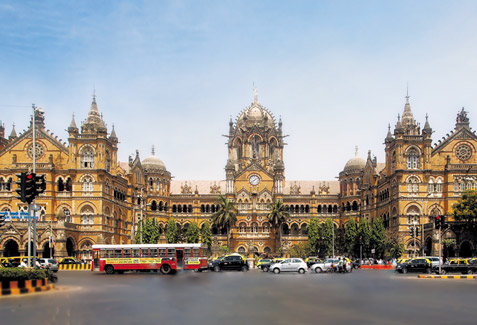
295,189
186,189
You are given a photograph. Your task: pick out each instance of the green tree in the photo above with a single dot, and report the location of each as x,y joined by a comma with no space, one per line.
301,250
364,234
225,216
327,235
314,235
466,209
351,235
192,233
148,231
394,247
378,237
206,234
171,231
277,215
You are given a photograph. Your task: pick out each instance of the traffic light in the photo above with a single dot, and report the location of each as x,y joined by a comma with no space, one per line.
443,221
30,189
437,221
40,184
21,182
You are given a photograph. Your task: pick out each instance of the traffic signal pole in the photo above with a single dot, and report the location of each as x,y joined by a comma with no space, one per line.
34,172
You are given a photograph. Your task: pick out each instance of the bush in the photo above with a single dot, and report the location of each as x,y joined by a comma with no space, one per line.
21,274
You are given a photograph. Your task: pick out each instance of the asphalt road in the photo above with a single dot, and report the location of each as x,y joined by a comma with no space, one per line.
371,297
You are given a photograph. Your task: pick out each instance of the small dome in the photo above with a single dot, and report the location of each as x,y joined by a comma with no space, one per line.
355,164
153,163
256,115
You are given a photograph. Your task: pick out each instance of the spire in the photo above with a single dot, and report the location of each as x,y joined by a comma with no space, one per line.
13,134
152,151
255,94
427,128
113,137
94,122
407,117
356,151
389,136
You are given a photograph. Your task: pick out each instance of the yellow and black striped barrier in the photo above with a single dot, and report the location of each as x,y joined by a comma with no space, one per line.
22,287
73,267
447,276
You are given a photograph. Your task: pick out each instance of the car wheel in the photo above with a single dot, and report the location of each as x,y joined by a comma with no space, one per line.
301,271
318,270
109,269
470,272
217,268
443,272
404,270
166,269
276,270
428,271
265,269
244,268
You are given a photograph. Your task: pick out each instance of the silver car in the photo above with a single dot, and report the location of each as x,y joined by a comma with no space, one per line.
328,263
49,263
289,265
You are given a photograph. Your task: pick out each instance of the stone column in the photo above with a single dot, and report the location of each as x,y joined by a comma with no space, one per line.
60,240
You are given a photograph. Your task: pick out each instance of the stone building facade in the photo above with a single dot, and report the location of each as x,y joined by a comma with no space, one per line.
92,198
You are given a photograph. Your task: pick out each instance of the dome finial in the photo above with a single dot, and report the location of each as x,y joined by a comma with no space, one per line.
153,152
356,151
255,94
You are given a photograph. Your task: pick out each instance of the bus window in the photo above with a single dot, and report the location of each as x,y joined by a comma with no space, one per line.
127,253
171,252
109,253
103,253
135,252
162,252
118,253
195,252
144,252
153,252
187,252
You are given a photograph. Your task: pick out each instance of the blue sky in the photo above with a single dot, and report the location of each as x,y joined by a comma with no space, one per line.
171,73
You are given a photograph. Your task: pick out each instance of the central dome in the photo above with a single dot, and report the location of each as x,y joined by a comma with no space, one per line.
256,114
356,163
153,163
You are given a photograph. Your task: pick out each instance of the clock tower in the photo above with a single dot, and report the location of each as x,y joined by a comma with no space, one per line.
255,153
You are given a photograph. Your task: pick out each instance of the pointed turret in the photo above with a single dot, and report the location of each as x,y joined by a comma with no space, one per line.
389,136
427,127
94,122
398,128
407,117
231,126
73,129
13,134
113,137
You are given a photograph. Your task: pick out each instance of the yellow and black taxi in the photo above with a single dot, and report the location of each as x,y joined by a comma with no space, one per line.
311,260
458,265
417,264
229,262
69,261
264,264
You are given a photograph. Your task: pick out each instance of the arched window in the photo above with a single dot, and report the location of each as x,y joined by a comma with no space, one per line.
87,184
413,213
61,185
2,184
67,213
87,215
108,161
412,159
413,185
254,227
242,227
87,158
69,184
266,227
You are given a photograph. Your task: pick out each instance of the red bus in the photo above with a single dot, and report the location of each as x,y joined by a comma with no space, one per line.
168,258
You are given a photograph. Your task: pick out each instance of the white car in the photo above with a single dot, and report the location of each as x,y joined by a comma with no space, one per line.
289,265
328,263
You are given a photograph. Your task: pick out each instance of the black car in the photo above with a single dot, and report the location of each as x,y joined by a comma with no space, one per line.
356,264
229,262
415,265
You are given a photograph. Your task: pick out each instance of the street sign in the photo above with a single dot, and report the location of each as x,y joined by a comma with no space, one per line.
9,215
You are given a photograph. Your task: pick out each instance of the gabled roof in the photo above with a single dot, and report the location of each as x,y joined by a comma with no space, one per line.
460,134
40,133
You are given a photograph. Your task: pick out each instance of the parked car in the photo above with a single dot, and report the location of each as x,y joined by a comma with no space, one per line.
264,264
356,264
312,260
434,260
69,261
464,266
49,263
289,265
418,264
229,262
331,262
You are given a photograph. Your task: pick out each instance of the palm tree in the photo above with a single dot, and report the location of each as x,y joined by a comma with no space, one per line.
225,216
277,215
